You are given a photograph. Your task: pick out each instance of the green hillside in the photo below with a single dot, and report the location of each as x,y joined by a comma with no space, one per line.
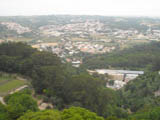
64,87
9,83
139,57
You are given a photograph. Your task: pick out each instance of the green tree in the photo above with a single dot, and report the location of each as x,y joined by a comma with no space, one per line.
155,114
19,103
77,113
19,49
3,113
112,118
45,59
42,115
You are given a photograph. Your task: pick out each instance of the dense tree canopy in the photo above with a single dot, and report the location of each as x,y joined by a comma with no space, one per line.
73,113
19,103
61,84
141,92
42,115
64,86
77,113
139,57
3,112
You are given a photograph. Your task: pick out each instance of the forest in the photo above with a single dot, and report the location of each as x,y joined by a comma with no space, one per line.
139,57
74,93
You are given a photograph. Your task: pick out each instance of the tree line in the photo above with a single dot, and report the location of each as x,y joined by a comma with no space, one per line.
140,57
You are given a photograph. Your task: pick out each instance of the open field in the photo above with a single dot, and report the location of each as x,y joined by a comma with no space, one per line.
9,83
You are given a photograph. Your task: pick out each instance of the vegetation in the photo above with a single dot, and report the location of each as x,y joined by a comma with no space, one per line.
9,83
3,113
19,103
77,113
42,115
62,86
16,105
151,114
73,113
142,93
144,57
65,87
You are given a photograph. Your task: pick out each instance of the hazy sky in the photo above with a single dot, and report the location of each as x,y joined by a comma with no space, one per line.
80,7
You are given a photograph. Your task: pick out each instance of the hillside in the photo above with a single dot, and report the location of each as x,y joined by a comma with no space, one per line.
142,93
65,86
111,32
72,37
59,83
9,83
139,57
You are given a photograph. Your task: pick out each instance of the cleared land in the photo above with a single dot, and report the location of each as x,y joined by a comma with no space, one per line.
9,83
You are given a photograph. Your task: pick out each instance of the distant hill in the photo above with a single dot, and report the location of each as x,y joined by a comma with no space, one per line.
33,23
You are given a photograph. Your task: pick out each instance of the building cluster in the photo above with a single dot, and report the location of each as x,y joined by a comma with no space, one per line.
119,77
89,27
151,35
82,28
89,47
69,49
16,27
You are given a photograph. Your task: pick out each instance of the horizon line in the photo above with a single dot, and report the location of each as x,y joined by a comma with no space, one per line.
149,16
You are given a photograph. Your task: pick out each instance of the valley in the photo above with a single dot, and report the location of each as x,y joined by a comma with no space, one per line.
74,36
79,67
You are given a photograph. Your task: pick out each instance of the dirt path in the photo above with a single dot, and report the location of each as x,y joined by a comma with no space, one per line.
2,101
16,90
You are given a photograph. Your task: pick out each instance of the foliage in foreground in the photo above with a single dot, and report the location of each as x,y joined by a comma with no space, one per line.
19,103
73,113
59,83
65,87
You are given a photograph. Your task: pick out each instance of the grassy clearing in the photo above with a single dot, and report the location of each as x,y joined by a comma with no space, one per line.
9,83
5,78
